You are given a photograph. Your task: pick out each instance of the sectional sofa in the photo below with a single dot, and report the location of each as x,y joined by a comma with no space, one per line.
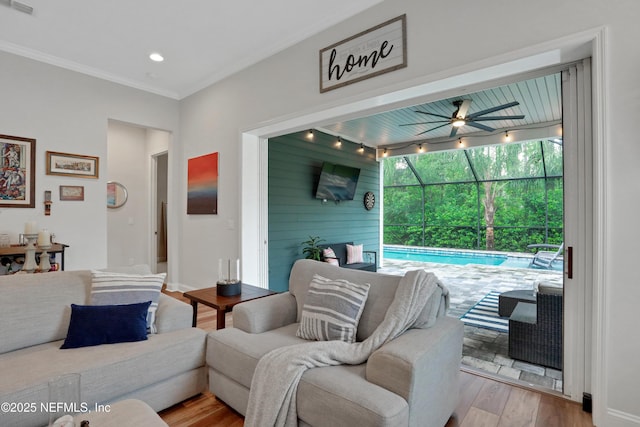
162,370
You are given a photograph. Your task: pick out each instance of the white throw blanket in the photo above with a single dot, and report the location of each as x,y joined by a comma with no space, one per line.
272,399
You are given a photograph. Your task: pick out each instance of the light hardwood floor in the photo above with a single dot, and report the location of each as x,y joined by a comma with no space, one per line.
483,402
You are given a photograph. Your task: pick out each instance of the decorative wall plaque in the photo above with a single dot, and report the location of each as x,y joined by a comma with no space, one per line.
375,51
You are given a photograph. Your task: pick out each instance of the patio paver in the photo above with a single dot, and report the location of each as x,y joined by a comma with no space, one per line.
485,349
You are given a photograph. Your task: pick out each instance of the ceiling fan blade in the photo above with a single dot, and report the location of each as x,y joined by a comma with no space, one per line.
433,114
479,126
424,123
464,107
454,130
491,110
429,130
500,117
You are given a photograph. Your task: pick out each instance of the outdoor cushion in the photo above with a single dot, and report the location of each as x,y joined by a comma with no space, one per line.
330,256
354,254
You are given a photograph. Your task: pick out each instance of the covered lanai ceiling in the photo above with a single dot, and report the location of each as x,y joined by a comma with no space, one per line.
539,101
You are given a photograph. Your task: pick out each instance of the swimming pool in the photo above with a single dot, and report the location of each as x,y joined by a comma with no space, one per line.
459,257
443,256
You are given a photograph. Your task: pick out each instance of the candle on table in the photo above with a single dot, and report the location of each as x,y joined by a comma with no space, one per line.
44,238
30,227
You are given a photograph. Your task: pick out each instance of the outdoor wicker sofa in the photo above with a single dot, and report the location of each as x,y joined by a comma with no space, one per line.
535,330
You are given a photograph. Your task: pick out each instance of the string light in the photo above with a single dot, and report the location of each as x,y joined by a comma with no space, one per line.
310,134
420,148
507,137
361,149
339,142
384,153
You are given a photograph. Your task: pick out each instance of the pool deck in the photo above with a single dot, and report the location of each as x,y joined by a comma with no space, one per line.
486,349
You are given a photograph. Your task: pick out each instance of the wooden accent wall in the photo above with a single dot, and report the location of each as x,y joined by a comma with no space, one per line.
295,214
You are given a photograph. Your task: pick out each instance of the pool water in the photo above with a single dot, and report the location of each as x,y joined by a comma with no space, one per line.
452,256
443,256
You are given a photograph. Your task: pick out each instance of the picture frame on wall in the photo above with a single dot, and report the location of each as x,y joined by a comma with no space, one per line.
71,193
76,165
202,185
17,172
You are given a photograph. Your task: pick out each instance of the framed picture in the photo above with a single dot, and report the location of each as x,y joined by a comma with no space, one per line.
202,184
17,172
72,165
71,192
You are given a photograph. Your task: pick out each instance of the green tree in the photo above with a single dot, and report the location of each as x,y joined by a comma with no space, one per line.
494,195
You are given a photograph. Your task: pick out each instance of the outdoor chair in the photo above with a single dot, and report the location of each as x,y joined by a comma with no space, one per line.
545,259
535,330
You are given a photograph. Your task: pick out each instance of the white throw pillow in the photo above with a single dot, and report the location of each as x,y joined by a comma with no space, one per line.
332,310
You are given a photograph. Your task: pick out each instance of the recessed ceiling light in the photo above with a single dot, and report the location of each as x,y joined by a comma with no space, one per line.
156,57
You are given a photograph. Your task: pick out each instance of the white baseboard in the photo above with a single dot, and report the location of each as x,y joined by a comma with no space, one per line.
617,418
179,287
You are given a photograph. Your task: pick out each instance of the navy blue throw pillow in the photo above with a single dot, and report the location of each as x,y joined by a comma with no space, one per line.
106,324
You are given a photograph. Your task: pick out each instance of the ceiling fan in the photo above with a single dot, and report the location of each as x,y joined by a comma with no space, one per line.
460,117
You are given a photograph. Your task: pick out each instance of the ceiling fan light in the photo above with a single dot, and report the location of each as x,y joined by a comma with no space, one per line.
458,123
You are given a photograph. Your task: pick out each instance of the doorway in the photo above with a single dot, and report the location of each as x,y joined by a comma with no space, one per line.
254,186
138,160
161,162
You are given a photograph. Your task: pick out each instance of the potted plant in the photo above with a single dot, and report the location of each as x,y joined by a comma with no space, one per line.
310,248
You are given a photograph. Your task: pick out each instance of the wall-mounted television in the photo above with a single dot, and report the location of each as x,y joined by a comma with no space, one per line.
337,182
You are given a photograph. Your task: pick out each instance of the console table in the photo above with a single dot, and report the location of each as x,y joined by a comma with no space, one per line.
18,250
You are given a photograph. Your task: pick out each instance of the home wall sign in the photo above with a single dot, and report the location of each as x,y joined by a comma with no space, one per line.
375,51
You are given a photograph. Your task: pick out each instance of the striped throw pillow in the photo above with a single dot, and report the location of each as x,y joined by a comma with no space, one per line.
330,256
332,310
109,288
354,254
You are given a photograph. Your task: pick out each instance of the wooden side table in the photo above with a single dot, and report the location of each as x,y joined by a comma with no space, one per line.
222,304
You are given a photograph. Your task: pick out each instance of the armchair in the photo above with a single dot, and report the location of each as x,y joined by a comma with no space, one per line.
409,381
545,259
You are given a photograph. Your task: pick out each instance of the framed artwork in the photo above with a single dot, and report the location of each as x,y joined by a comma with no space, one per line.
71,192
17,172
72,165
202,184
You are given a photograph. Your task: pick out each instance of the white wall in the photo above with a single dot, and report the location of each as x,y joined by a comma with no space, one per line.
68,112
444,40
